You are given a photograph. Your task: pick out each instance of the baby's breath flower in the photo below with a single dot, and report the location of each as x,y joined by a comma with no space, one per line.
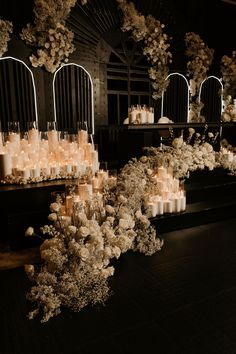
156,46
6,28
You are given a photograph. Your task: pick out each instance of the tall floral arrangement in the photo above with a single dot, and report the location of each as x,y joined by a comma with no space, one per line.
52,40
155,44
6,28
228,71
200,59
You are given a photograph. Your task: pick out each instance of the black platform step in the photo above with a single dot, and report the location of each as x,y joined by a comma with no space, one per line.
195,214
211,196
205,185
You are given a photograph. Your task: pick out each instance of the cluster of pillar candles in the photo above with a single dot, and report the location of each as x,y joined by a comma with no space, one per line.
169,196
52,154
49,154
141,115
87,197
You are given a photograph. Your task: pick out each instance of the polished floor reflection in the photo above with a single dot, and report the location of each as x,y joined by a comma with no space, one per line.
179,301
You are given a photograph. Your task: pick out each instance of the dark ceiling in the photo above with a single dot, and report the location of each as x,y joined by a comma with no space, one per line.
213,20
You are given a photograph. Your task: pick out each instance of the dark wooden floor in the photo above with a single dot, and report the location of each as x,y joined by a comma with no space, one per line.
14,259
179,301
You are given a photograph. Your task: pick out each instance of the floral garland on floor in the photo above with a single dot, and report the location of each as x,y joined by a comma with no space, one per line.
150,31
6,28
76,259
201,57
49,34
77,256
228,71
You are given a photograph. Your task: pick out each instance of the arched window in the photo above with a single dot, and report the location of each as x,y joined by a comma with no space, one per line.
127,81
73,97
17,93
175,101
210,94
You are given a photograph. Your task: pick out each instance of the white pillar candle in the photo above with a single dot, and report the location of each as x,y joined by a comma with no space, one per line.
1,140
94,157
46,171
24,173
82,137
99,198
35,172
102,177
68,168
169,183
5,165
112,181
160,207
69,205
24,144
165,195
55,170
88,148
33,156
168,206
15,171
14,138
85,191
162,171
95,183
76,168
160,185
52,140
82,168
14,160
133,115
150,117
80,153
175,185
153,208
143,117
33,136
177,202
183,203
102,174
43,145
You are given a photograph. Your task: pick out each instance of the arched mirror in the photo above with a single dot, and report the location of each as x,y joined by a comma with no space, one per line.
17,93
175,101
73,98
210,94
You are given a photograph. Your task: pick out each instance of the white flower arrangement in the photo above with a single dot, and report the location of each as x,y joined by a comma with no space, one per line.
49,34
229,109
156,46
227,157
6,28
186,156
76,259
228,71
200,59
